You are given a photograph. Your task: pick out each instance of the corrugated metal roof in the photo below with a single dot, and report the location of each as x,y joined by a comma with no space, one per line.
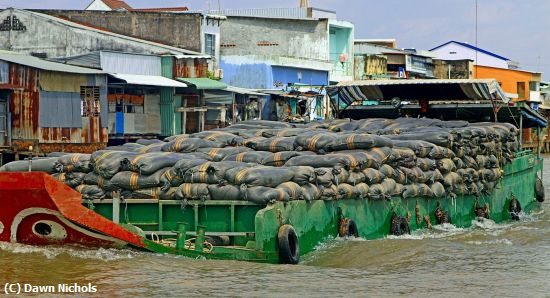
133,79
92,60
165,48
44,64
284,13
204,83
244,91
478,89
412,82
193,56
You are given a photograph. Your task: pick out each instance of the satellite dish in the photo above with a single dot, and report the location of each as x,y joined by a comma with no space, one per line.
396,102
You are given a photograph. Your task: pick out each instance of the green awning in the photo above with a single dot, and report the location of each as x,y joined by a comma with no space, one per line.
203,83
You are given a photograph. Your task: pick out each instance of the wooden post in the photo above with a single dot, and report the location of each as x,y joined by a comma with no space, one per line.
184,120
520,129
538,141
233,109
116,207
201,121
223,112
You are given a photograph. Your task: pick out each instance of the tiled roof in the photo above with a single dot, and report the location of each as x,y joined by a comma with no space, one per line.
117,4
162,9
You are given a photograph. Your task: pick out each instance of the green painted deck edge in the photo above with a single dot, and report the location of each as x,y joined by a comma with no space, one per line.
317,221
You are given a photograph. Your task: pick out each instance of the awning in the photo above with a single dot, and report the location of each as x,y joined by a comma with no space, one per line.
533,116
272,92
204,83
465,110
181,56
244,91
134,79
218,97
430,89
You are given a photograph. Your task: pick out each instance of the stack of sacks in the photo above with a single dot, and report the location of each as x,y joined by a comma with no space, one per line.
264,161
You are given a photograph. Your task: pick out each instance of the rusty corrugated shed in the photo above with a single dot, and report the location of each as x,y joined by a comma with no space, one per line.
80,134
24,103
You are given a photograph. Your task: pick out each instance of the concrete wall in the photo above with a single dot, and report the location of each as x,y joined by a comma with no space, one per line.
58,39
275,37
341,37
463,53
175,29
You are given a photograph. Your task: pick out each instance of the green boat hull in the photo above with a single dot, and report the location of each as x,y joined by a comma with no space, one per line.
253,229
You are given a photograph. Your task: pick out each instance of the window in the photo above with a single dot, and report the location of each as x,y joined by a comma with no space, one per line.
90,103
521,90
210,44
534,86
123,102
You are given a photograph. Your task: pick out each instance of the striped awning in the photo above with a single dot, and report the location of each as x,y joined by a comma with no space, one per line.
431,89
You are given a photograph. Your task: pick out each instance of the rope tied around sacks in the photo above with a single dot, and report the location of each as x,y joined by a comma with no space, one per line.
240,156
213,152
278,160
478,150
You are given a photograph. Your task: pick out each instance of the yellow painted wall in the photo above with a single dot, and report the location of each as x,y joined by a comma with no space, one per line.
508,78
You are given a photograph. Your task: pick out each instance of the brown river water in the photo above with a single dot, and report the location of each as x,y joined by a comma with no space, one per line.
497,260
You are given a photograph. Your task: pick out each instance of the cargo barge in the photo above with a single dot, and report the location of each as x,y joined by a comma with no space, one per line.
40,210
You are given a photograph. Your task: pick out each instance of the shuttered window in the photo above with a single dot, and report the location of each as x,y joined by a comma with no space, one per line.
90,101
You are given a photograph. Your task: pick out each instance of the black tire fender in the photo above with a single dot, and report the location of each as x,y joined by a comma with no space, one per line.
399,225
348,228
514,209
539,190
289,248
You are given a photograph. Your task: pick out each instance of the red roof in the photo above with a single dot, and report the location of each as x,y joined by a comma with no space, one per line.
117,4
120,4
162,9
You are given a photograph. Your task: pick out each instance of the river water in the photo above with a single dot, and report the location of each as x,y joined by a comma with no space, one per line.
506,260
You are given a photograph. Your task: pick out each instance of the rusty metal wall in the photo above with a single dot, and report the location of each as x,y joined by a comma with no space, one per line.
24,104
25,111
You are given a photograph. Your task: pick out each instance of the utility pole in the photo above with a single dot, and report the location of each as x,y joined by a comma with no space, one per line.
475,73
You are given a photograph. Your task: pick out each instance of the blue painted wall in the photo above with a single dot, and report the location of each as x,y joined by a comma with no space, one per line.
253,76
264,76
287,75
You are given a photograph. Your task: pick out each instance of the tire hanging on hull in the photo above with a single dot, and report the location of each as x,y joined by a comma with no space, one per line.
399,225
289,248
514,208
348,228
539,190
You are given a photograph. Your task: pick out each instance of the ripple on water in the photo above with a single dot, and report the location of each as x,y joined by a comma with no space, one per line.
51,252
